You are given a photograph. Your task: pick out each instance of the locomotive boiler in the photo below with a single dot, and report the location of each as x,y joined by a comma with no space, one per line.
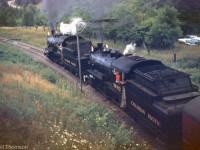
152,93
101,75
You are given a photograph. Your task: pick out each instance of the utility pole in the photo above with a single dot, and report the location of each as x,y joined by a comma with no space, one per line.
79,55
79,62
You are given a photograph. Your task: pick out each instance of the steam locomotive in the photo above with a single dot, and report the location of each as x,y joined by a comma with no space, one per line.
152,93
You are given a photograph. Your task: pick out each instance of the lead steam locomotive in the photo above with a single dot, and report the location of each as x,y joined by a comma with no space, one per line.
152,93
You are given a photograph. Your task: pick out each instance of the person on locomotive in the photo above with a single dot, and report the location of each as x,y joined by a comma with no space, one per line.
118,77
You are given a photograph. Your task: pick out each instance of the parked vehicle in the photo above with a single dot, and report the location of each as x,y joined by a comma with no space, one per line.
190,40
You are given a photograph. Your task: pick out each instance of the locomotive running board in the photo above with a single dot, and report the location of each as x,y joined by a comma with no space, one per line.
97,74
181,96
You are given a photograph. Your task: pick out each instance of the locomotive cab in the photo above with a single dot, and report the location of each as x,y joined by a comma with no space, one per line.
70,53
63,50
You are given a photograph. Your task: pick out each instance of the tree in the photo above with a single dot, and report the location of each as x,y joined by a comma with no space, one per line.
8,16
165,30
124,12
29,15
141,30
189,14
145,21
132,18
40,20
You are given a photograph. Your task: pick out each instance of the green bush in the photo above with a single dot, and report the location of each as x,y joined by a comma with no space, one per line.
195,76
50,75
189,61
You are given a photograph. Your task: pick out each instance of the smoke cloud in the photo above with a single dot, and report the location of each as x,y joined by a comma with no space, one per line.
55,9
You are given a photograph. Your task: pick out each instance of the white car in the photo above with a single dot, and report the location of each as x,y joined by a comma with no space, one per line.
190,40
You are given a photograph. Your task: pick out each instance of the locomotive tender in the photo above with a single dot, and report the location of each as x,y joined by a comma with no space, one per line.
152,93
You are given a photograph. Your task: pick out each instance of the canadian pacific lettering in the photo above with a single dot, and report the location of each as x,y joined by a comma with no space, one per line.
148,115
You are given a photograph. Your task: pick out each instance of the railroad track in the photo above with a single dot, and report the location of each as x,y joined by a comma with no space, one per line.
37,53
30,48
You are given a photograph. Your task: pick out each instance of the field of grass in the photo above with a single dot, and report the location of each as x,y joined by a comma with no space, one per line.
27,35
41,110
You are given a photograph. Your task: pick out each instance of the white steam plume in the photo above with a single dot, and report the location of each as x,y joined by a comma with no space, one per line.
130,48
72,27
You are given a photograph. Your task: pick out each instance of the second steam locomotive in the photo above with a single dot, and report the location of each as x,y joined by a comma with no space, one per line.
152,93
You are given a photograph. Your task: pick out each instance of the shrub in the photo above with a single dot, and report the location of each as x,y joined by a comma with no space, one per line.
190,61
195,76
50,75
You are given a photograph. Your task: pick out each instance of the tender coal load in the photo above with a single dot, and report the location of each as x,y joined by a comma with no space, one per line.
163,80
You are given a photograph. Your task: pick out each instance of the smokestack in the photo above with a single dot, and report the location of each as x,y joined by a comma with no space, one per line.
52,32
99,33
100,46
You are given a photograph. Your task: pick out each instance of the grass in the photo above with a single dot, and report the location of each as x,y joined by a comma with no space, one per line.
41,114
26,35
